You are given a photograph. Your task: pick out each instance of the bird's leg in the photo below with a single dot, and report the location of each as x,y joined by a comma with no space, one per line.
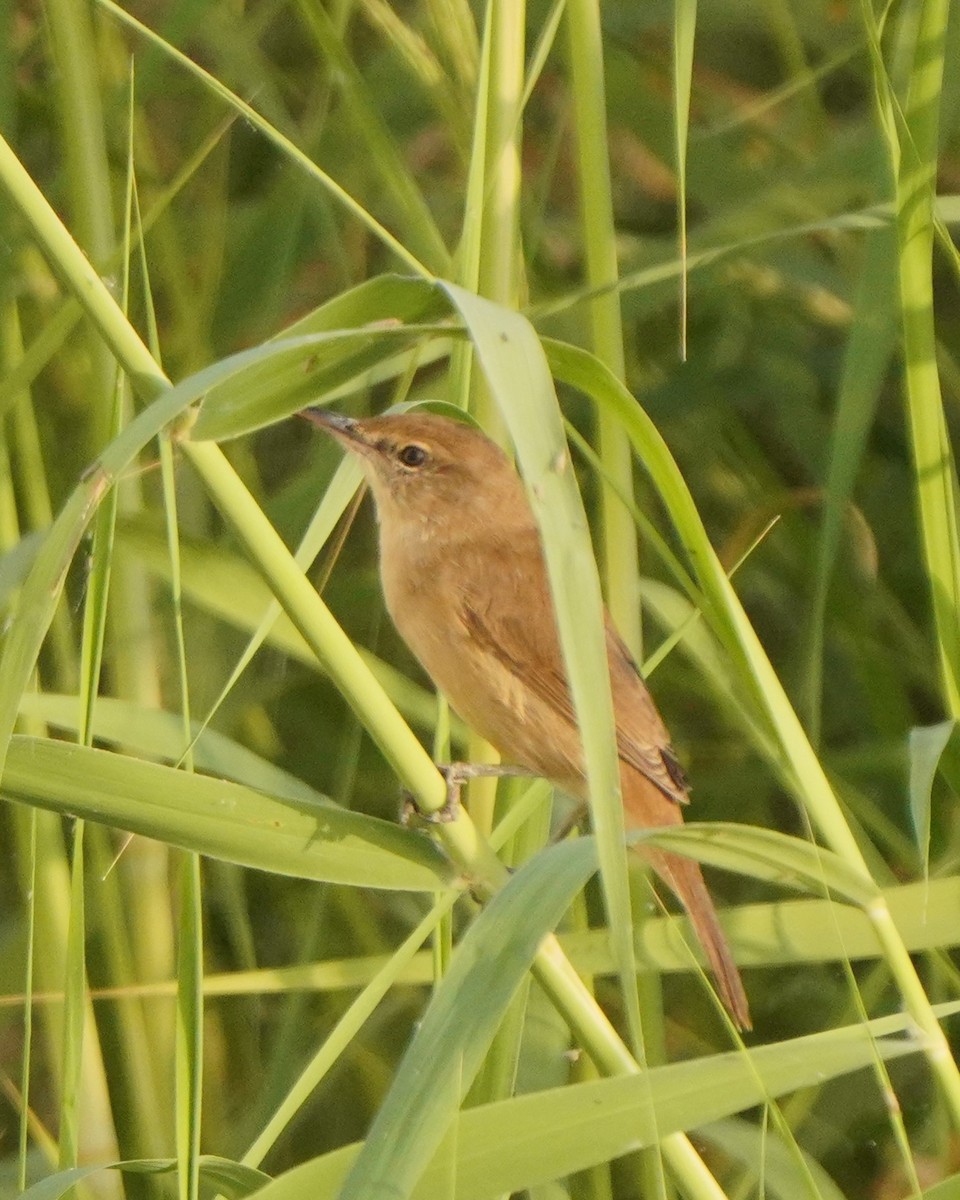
455,776
570,822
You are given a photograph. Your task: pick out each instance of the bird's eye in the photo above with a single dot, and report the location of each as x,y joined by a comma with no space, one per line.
412,455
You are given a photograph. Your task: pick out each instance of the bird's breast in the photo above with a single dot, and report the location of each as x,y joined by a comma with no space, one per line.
425,596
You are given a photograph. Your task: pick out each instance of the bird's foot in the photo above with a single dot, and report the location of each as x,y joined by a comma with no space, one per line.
455,775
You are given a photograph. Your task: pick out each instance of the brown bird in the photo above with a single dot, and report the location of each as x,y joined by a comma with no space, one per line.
465,583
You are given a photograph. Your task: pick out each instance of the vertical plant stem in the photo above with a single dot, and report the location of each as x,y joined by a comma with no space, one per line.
492,263
912,141
189,1028
30,869
620,567
90,201
572,997
499,261
619,541
934,467
684,31
866,362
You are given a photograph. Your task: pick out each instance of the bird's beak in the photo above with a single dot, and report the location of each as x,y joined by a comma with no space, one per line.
344,429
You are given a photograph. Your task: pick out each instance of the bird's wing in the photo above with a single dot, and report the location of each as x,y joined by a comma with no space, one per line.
515,624
642,738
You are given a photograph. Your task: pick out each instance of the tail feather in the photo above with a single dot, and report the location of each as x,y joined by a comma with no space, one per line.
684,879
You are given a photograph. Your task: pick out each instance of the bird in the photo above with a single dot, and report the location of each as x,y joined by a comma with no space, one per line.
465,583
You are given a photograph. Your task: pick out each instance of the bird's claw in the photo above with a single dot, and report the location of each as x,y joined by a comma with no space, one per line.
455,776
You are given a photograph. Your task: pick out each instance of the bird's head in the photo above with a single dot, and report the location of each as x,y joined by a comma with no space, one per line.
426,468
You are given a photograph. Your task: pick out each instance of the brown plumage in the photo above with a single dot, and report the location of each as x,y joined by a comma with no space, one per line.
466,585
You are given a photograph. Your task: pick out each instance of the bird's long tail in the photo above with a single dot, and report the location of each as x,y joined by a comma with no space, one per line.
683,877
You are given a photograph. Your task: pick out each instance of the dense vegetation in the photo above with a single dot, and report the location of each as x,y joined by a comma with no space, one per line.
722,235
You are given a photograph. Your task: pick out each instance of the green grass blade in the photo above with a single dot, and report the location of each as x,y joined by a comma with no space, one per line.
911,135
75,1010
684,32
764,854
152,733
513,362
866,361
619,549
358,331
189,1031
346,1029
446,1052
228,1178
519,1143
927,745
222,819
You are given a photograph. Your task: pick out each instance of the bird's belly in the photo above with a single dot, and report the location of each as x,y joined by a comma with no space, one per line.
526,730
508,713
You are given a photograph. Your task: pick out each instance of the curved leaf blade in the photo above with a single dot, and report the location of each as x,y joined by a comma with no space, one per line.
222,819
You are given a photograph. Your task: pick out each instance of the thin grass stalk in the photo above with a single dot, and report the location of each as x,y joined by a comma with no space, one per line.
87,1126
500,273
74,1099
81,114
866,361
422,62
40,840
69,262
11,349
566,989
684,32
455,34
913,147
29,471
490,260
782,21
344,1032
189,1009
58,327
935,470
619,555
498,1075
136,657
594,1183
30,872
143,1124
500,276
618,535
89,186
460,375
88,178
343,493
189,1029
136,888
